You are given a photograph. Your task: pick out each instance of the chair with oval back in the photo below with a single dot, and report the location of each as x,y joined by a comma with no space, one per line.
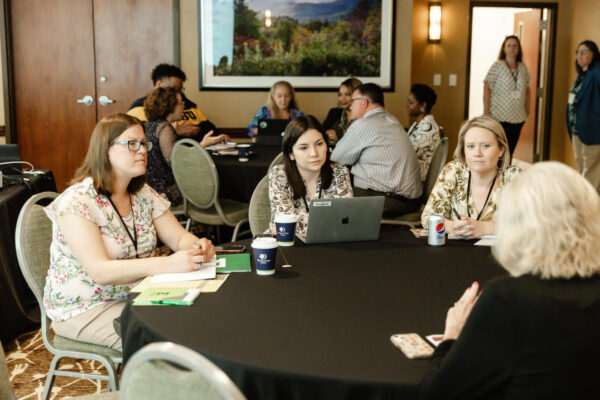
435,167
165,370
33,237
260,207
198,180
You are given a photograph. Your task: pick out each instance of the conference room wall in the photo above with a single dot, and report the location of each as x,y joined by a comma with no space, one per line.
576,20
234,109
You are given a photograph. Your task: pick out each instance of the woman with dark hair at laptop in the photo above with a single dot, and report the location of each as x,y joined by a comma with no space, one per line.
306,174
281,104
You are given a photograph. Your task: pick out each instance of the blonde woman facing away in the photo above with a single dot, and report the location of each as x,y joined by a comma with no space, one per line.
281,104
533,335
104,228
467,191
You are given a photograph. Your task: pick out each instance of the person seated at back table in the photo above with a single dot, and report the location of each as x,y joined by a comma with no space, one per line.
281,104
533,335
104,229
162,107
306,172
424,133
193,124
472,182
383,160
338,119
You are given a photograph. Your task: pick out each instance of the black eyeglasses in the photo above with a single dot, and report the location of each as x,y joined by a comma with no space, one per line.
134,144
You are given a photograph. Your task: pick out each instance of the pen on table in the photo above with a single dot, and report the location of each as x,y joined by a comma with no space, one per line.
455,213
169,302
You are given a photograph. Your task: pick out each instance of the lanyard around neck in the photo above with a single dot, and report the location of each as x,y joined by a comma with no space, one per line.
486,199
304,198
134,236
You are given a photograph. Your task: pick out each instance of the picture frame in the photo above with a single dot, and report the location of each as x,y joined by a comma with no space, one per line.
251,44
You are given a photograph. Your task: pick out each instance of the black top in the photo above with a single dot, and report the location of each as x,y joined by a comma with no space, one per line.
159,174
526,338
332,121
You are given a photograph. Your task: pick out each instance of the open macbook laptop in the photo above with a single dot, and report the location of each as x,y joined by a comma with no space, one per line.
270,131
344,220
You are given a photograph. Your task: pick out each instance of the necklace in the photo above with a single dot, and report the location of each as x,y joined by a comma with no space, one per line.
134,236
486,199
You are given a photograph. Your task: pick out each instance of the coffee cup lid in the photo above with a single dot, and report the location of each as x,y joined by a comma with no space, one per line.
265,243
286,218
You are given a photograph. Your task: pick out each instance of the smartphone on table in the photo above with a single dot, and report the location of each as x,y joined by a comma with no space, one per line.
230,248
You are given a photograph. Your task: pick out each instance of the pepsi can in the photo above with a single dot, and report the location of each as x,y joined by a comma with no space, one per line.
437,231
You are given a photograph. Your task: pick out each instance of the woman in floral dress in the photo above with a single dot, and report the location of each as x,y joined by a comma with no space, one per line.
467,191
104,228
306,173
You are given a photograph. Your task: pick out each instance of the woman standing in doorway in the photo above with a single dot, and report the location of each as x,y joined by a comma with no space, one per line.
506,90
583,112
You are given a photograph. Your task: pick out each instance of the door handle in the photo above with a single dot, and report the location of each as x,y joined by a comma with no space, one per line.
87,100
104,100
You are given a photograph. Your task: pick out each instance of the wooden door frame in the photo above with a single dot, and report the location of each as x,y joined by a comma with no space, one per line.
8,66
551,58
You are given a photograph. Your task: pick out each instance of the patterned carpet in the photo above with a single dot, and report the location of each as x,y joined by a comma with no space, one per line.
28,362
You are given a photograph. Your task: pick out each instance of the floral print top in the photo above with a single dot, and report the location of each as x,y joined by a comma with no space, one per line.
425,137
450,190
282,198
69,290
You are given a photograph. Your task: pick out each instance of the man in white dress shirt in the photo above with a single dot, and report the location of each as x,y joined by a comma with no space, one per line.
381,158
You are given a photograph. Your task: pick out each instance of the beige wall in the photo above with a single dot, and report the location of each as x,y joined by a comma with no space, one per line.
451,57
236,109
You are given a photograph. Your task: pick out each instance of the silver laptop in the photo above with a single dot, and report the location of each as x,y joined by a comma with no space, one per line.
344,220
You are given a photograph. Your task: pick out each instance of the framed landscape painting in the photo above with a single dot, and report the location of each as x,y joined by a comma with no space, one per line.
313,44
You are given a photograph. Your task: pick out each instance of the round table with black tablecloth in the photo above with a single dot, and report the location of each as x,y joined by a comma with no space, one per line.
238,179
321,329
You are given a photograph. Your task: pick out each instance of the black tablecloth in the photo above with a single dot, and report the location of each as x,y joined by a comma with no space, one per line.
321,329
238,179
18,308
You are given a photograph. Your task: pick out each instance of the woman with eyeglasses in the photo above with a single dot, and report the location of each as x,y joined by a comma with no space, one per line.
583,112
506,91
104,229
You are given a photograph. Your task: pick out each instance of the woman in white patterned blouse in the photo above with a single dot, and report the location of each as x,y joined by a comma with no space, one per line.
424,133
506,90
306,173
104,228
467,190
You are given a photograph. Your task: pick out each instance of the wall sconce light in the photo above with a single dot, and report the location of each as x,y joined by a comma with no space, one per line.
435,22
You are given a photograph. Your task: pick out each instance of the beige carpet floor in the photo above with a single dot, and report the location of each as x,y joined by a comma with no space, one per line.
28,362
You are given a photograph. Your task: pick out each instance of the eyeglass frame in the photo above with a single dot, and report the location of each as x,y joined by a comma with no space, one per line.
146,144
583,52
358,98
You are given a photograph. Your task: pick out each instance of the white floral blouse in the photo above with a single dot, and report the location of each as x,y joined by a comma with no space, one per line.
282,199
69,290
425,137
450,190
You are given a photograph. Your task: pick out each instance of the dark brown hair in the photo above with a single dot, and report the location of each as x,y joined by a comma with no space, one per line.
96,164
160,103
502,54
596,55
293,131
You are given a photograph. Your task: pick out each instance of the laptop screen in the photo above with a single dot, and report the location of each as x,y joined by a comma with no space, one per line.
10,152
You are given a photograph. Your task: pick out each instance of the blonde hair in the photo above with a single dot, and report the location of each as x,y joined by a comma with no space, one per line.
548,224
271,105
96,164
491,125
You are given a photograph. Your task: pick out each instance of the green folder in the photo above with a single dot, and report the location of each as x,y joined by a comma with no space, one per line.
167,296
237,262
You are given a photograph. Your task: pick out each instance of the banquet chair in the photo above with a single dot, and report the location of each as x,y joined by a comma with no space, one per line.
33,237
259,213
6,392
437,164
165,370
276,161
198,181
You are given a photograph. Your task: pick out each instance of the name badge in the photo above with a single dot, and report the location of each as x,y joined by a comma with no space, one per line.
515,94
571,98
